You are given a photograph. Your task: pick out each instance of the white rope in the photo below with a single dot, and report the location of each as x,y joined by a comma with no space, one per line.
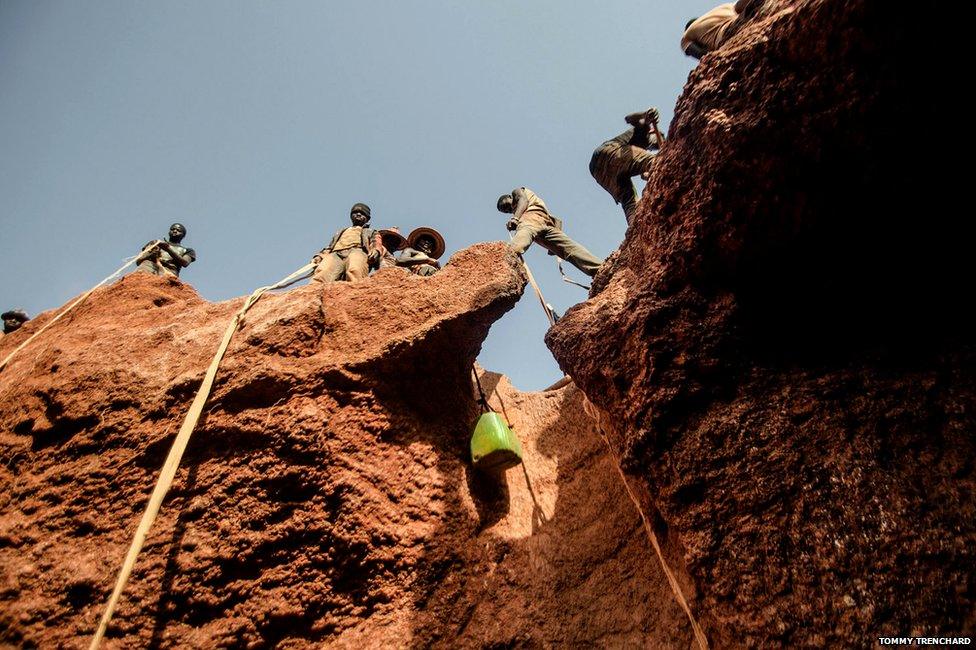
535,286
566,278
594,412
77,302
168,472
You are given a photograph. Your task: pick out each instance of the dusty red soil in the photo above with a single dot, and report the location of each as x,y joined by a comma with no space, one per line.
327,498
784,339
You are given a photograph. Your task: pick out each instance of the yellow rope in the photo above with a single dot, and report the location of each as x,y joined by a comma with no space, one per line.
594,412
80,300
538,292
168,472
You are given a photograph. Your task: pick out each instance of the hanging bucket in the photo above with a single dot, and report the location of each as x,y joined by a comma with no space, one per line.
494,446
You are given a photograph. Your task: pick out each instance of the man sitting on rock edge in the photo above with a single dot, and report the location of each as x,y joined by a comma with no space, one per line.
424,248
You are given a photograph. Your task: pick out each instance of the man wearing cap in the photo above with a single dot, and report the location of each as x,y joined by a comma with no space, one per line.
13,319
166,257
349,253
424,248
616,161
709,32
532,222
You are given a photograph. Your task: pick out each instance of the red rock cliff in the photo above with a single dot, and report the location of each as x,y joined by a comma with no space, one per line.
784,343
327,498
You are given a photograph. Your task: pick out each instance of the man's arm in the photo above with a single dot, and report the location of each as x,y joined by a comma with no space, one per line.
188,257
368,241
411,257
182,258
521,204
378,244
148,251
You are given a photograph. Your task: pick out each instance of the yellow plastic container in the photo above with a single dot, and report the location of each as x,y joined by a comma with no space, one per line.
494,446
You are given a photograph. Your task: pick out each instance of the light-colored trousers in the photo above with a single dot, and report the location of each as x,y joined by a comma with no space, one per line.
555,241
351,263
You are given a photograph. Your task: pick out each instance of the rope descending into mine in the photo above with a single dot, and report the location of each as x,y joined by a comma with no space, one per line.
168,472
77,302
594,412
538,293
482,398
535,287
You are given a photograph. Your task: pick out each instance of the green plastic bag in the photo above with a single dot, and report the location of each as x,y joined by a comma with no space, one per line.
494,446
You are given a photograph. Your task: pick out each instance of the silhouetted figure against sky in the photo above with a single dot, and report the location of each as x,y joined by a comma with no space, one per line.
532,222
13,319
167,257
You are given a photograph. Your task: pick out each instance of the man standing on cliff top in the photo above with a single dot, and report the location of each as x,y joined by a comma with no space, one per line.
532,222
616,161
348,254
707,33
166,257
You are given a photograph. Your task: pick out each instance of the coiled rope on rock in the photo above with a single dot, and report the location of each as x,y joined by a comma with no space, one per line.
168,472
597,416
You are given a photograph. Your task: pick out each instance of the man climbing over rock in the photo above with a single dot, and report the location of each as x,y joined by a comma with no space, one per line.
13,319
532,222
425,246
707,33
166,257
350,252
616,161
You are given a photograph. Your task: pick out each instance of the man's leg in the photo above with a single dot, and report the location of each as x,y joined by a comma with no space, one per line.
635,161
523,237
559,243
628,197
357,265
602,167
329,269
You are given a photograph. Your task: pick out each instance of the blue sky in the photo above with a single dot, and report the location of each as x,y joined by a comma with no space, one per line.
258,124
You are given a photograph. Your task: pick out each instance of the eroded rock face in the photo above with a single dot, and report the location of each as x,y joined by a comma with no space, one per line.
784,343
327,496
